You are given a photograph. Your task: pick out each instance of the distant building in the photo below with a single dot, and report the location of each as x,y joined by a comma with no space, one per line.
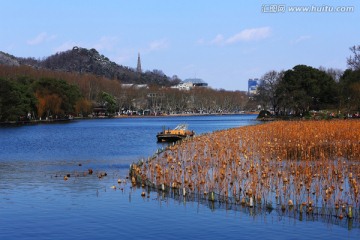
196,82
136,86
253,84
190,83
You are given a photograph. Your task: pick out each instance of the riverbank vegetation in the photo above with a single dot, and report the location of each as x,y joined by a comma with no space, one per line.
39,93
304,89
29,93
294,164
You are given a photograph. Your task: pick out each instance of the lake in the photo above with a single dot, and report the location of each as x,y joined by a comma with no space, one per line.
37,203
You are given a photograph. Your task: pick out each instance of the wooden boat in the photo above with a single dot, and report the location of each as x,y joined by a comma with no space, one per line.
180,132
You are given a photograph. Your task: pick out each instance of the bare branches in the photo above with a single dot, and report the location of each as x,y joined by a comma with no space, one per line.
354,61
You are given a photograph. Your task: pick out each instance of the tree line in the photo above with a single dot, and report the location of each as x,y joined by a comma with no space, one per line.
303,89
30,93
34,93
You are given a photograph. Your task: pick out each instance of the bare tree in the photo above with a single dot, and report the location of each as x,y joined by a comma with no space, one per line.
267,88
354,61
335,73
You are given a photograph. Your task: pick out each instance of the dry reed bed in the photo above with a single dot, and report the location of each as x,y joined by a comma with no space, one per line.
303,163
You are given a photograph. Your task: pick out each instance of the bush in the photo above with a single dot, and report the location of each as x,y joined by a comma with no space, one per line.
264,114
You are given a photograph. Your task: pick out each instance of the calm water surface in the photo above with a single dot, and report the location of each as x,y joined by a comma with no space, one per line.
36,202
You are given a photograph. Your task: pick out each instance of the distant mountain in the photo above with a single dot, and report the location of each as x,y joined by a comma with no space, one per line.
82,60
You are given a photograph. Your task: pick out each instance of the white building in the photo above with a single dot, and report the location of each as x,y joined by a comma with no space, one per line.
136,86
190,83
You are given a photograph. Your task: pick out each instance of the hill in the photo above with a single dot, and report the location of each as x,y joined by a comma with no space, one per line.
7,59
82,60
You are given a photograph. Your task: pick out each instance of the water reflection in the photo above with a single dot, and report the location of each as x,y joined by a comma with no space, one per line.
329,216
117,140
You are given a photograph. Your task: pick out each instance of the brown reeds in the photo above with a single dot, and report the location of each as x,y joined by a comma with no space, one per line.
303,164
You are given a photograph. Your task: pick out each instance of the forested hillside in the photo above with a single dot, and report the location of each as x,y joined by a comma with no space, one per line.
82,60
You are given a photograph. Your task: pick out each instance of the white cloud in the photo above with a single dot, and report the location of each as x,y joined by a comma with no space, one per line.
158,45
42,37
250,34
219,39
301,39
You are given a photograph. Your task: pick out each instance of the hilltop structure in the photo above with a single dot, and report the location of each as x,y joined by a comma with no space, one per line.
138,67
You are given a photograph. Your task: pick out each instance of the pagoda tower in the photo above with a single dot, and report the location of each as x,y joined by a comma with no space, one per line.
138,67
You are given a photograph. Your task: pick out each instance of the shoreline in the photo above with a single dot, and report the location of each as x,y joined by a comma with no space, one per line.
184,115
34,122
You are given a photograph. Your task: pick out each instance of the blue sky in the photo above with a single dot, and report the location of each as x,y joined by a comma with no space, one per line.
223,42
